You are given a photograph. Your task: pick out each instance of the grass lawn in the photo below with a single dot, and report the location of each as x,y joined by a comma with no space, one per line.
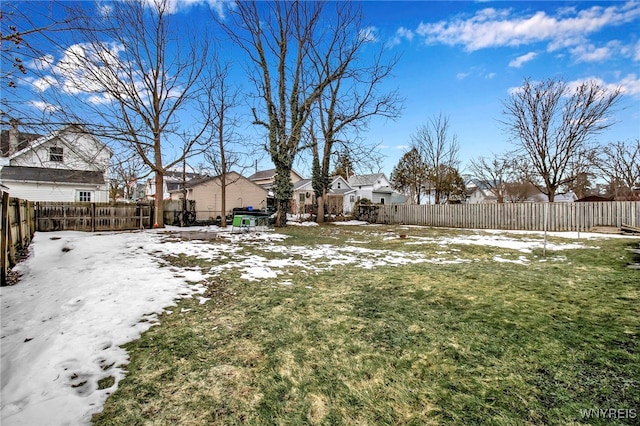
439,334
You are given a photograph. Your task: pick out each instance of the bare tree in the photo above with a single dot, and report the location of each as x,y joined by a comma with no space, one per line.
349,101
20,29
224,153
126,169
439,151
619,164
282,40
29,33
552,124
495,174
135,79
520,190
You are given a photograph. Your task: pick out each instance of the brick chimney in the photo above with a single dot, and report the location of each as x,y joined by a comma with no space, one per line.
14,136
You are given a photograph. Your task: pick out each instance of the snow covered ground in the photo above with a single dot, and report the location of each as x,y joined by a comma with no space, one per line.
83,295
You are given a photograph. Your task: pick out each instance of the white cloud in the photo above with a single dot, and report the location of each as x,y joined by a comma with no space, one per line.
43,106
636,52
495,28
100,99
402,147
401,34
175,6
479,72
84,68
104,9
520,60
590,53
368,34
43,62
629,85
44,83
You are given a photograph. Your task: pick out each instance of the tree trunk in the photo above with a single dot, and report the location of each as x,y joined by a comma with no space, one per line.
223,203
158,220
551,195
320,201
281,215
282,191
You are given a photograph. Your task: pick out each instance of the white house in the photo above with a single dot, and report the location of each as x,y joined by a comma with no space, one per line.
66,165
568,197
480,192
375,187
172,181
337,198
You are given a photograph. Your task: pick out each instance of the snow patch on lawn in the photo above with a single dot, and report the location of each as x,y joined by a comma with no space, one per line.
525,245
351,223
83,295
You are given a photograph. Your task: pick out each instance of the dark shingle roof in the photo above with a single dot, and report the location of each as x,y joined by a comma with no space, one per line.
39,174
23,141
263,174
364,180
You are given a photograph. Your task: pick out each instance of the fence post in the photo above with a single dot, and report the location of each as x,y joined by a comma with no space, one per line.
4,239
93,217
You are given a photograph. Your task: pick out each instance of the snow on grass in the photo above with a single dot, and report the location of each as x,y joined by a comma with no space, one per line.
295,223
80,297
525,245
351,223
83,295
520,260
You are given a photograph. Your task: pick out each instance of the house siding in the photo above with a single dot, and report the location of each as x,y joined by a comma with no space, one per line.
240,192
34,191
87,155
81,152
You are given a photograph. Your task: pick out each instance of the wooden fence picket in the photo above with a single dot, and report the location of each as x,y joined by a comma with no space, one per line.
509,216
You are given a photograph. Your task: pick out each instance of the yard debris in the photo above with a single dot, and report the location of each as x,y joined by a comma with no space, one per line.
628,229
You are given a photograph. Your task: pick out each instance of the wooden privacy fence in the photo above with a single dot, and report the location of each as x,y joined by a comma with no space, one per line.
16,231
523,216
91,216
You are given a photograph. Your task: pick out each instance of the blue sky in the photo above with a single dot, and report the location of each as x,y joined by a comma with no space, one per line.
461,59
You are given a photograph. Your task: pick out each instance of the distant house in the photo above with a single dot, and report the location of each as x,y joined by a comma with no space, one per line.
480,192
172,181
240,192
265,178
568,197
304,199
375,187
67,165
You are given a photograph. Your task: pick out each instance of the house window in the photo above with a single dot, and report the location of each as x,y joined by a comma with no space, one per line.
338,185
84,196
352,198
358,198
381,200
56,154
301,198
